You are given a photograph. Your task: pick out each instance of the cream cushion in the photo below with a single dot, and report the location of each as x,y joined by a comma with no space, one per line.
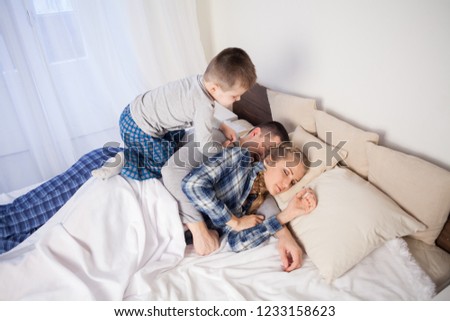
320,156
240,126
419,187
352,219
433,260
292,110
353,140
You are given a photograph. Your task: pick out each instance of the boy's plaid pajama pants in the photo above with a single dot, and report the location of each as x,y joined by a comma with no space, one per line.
145,155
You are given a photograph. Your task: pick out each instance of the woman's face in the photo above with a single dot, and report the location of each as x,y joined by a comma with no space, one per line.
281,175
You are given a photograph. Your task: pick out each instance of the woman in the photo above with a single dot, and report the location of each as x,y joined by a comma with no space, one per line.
20,219
231,185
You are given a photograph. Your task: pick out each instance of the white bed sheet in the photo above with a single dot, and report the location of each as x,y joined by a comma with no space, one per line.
389,273
123,240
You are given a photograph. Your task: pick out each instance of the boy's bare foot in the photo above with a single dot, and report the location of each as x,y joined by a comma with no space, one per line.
109,170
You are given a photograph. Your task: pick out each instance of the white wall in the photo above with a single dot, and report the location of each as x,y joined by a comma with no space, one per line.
381,65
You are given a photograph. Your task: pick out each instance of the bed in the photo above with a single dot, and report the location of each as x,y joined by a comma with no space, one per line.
120,239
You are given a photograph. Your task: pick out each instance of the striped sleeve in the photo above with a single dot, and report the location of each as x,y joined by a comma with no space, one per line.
252,237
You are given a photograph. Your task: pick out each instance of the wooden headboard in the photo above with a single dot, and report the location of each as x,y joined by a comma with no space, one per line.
254,106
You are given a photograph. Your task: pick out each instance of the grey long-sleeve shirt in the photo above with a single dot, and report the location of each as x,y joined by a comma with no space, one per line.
176,105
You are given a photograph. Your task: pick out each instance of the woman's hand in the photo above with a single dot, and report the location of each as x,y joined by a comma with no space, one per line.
303,202
245,222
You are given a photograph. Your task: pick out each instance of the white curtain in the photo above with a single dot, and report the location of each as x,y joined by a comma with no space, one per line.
69,67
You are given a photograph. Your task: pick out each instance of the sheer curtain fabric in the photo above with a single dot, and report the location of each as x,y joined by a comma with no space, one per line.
69,67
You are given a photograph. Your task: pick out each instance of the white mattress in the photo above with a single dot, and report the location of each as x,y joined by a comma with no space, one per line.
123,240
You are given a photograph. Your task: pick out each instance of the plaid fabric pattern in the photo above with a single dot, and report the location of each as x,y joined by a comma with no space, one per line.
145,155
27,213
220,187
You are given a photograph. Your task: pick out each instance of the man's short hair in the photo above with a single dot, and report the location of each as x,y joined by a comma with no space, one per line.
230,67
275,129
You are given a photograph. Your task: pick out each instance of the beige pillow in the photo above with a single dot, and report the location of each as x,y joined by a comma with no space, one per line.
240,126
292,111
419,187
321,156
353,140
433,260
352,219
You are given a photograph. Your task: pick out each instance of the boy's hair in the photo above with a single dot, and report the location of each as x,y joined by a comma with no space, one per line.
275,129
231,66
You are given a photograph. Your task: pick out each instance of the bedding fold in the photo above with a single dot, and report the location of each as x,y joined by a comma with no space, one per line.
123,240
95,244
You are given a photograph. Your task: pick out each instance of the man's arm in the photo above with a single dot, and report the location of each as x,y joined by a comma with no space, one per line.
205,241
291,254
188,157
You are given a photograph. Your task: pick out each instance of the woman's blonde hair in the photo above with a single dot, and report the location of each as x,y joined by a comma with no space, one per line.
283,152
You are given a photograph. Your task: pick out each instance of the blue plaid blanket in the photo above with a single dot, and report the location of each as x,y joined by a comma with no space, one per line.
27,213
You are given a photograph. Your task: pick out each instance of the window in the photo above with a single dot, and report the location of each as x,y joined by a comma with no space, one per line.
58,30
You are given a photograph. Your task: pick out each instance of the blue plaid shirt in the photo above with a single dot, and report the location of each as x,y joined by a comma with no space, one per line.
220,188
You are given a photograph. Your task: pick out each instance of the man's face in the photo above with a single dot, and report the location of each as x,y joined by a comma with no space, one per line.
259,143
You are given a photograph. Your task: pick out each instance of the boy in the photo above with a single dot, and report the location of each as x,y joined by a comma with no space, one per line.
153,124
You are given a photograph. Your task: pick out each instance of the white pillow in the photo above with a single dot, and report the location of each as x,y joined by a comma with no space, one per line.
292,110
419,187
353,138
352,219
319,154
268,208
240,126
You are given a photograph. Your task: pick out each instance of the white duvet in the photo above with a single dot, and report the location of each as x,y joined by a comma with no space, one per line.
123,240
